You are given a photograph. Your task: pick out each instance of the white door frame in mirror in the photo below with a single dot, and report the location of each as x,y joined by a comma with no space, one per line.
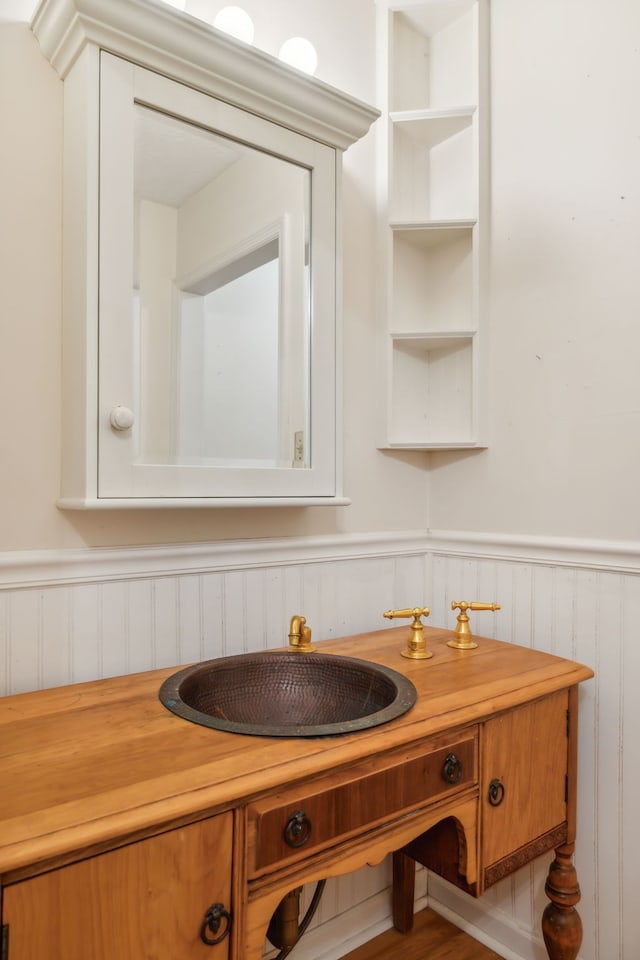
258,100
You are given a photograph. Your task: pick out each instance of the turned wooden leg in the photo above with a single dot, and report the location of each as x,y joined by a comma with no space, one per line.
404,877
561,923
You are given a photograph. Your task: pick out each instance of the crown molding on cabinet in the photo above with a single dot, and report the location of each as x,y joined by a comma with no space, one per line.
157,36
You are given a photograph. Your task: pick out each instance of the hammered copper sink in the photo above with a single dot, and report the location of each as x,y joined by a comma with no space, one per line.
282,694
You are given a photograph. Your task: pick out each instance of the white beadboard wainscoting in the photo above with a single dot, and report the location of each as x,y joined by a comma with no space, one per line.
83,614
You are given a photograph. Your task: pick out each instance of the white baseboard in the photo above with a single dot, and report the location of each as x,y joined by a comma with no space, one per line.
497,932
348,931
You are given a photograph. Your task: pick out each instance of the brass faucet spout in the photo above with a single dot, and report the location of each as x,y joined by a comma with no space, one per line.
300,635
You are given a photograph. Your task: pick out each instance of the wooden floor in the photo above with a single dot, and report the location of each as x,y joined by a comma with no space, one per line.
432,938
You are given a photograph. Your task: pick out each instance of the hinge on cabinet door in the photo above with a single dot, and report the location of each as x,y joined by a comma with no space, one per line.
568,723
4,942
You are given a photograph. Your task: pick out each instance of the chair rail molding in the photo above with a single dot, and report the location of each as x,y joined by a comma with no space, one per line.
613,555
40,568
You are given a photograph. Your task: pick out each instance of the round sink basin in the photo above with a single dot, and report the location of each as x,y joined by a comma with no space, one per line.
282,694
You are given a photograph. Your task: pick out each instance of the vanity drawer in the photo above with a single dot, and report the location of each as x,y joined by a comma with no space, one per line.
315,815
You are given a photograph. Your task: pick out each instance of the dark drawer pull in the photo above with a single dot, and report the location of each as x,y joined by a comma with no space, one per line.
211,924
496,792
297,830
452,769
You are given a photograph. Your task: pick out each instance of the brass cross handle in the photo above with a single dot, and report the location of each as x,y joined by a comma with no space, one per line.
416,643
462,634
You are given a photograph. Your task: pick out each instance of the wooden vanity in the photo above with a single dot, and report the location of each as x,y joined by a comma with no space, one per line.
122,825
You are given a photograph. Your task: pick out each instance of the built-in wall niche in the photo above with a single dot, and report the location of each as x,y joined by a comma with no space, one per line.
434,54
431,378
434,203
433,165
433,278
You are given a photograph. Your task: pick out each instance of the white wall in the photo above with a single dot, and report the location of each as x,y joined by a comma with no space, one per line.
564,414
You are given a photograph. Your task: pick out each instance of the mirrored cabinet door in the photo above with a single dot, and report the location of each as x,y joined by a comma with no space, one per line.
216,297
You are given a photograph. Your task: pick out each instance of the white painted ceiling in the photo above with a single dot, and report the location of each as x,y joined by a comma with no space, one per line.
174,159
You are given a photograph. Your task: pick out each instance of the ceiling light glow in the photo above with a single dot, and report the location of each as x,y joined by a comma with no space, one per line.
236,22
300,53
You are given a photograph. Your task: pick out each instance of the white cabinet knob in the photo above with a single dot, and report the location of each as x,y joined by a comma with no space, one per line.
121,418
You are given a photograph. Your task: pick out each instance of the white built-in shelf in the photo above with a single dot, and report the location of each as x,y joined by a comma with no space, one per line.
431,127
433,202
427,233
433,341
449,445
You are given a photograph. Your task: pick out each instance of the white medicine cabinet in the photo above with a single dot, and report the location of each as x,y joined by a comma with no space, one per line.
201,287
433,211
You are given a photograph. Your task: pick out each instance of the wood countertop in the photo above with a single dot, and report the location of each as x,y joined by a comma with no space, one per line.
90,764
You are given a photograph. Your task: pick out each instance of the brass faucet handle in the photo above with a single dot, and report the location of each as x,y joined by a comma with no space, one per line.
415,612
462,634
416,644
409,612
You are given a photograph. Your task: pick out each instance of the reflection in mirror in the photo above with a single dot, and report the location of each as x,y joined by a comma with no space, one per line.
221,299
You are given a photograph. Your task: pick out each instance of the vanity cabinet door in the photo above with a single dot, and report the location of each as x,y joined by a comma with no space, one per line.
524,784
145,900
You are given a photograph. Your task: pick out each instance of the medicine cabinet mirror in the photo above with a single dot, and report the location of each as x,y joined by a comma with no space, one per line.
220,299
201,263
